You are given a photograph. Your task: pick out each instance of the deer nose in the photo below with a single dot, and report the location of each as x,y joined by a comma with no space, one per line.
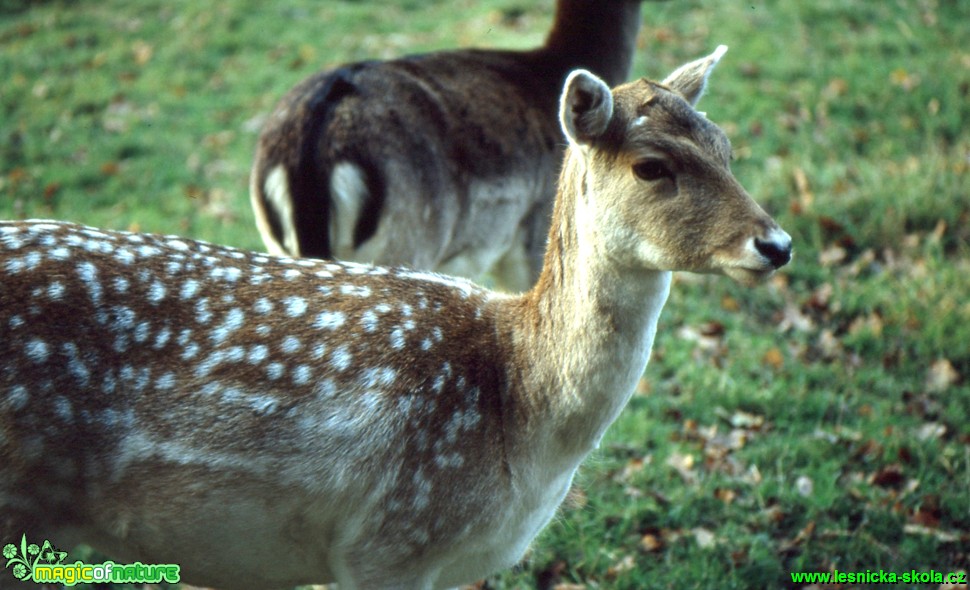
776,247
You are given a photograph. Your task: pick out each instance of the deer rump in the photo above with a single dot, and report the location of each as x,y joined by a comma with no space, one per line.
412,162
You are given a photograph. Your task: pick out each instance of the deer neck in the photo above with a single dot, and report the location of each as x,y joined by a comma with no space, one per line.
584,336
596,35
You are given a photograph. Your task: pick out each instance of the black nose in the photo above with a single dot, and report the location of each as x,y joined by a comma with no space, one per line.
778,253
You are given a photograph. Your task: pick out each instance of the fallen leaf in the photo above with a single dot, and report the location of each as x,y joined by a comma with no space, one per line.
651,543
704,538
931,430
832,255
890,476
804,486
684,465
626,564
142,52
774,358
726,495
941,376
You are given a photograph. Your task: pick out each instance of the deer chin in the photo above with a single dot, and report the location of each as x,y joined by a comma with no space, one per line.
749,277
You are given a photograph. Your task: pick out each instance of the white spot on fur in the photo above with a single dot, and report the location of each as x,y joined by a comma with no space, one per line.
56,290
397,338
378,378
291,344
355,290
369,321
166,381
233,321
60,253
257,354
156,292
189,289
301,375
162,338
330,320
295,306
37,350
275,371
89,275
17,398
263,306
341,358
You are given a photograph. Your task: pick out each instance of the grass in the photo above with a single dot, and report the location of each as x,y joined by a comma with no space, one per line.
820,422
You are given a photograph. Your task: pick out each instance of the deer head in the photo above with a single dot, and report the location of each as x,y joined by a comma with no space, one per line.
655,181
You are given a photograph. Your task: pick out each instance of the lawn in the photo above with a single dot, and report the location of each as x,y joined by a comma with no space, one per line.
817,423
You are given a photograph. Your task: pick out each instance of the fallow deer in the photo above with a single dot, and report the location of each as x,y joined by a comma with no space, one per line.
445,161
265,421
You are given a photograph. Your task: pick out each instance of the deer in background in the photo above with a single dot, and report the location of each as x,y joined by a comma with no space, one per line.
266,422
445,161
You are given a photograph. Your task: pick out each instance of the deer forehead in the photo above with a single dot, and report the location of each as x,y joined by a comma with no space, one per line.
660,122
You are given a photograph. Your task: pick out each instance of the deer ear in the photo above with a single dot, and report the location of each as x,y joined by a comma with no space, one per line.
585,108
691,79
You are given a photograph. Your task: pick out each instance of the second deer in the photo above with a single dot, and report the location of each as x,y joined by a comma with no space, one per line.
267,422
445,161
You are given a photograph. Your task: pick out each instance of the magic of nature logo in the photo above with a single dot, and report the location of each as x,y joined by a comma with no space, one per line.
44,564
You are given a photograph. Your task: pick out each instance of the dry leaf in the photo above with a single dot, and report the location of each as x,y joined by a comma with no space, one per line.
684,465
774,358
704,538
626,564
804,485
832,255
142,52
890,476
931,430
651,543
726,495
941,376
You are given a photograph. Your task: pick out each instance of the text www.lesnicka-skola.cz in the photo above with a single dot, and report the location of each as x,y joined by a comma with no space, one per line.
880,577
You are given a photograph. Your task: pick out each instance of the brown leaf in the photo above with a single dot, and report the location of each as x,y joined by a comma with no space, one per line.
729,303
651,543
890,476
774,358
726,495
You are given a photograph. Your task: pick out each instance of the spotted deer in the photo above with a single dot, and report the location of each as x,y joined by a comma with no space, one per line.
265,421
445,161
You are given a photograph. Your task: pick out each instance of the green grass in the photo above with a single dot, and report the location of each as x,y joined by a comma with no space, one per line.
811,424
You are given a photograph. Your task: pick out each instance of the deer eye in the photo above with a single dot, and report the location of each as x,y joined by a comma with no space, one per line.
652,169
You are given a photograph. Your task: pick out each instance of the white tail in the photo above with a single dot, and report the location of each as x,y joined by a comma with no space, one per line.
266,422
445,161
